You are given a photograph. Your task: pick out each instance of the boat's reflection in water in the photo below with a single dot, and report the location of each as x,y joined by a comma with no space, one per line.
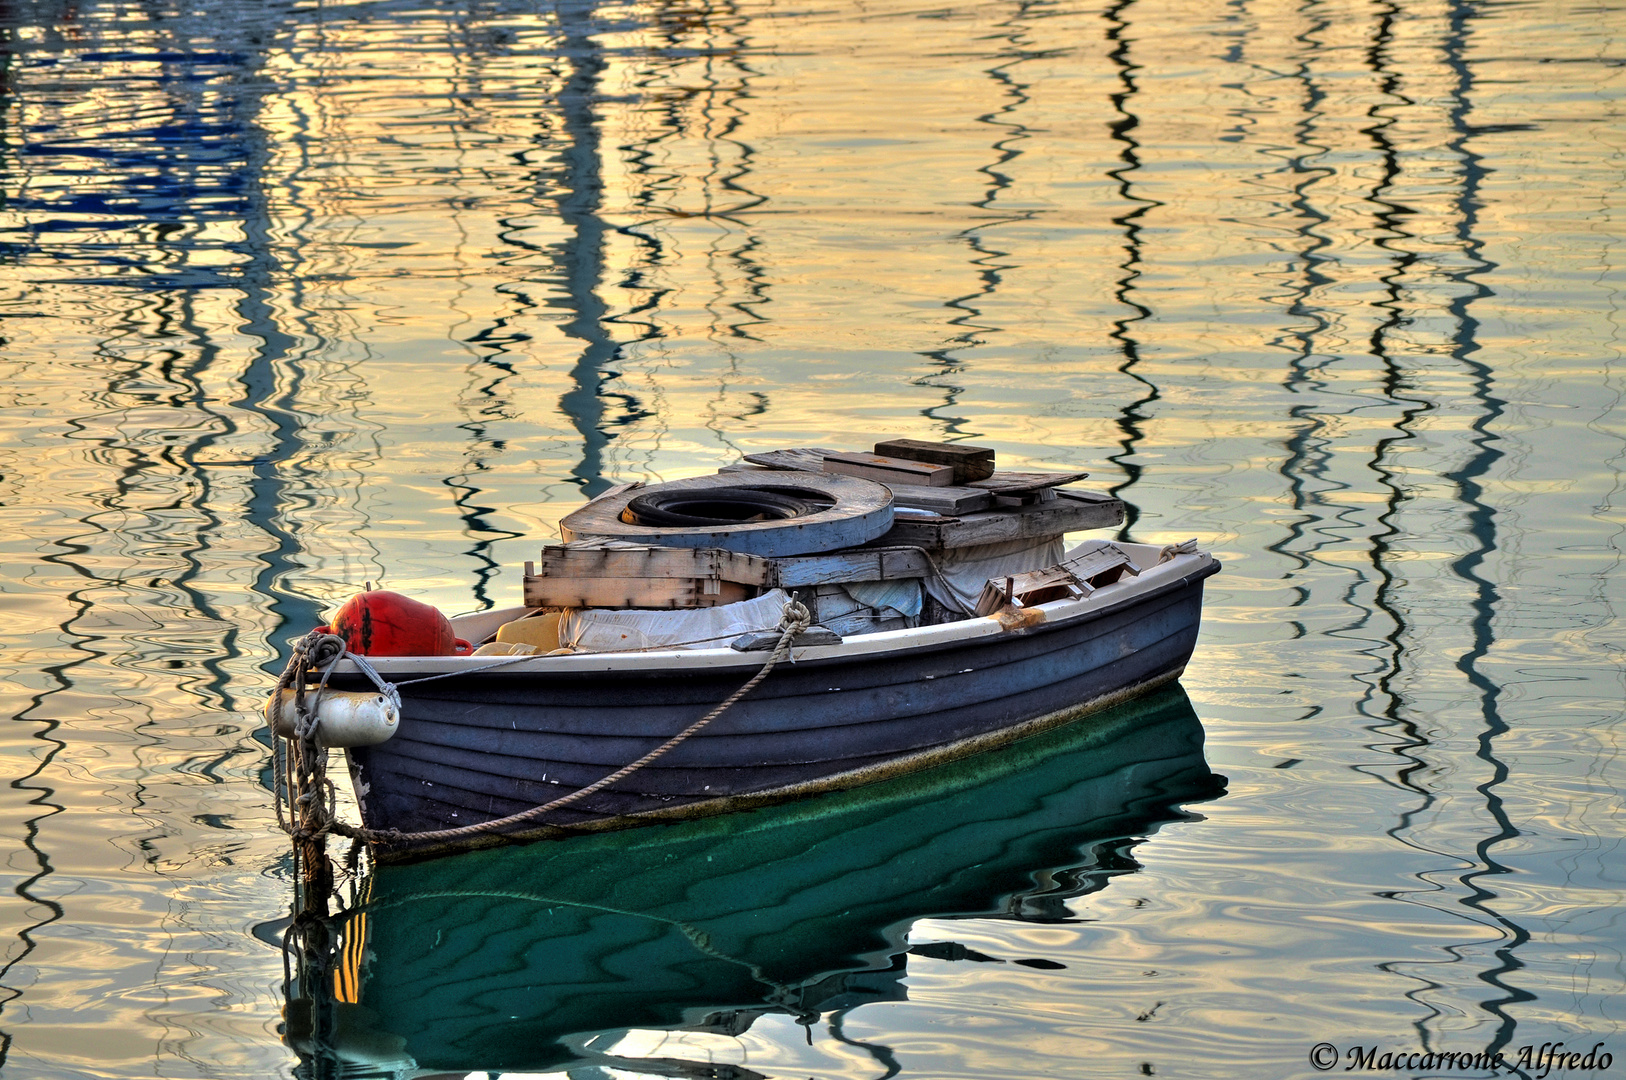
486,961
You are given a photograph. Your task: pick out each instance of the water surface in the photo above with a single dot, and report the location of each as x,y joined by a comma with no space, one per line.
297,296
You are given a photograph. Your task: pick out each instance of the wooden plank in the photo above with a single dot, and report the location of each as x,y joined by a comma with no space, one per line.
1086,495
899,563
761,640
1099,560
1069,512
889,470
1025,498
950,500
1015,483
799,459
590,560
969,462
860,564
627,592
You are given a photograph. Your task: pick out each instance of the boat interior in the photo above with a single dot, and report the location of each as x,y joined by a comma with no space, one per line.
890,549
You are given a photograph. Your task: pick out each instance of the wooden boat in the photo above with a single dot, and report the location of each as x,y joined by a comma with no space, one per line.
493,961
487,738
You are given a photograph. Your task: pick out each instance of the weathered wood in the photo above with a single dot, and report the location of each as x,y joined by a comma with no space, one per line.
969,462
1015,483
595,574
652,577
632,592
760,640
650,561
1070,512
1090,564
798,459
863,564
1025,498
1076,577
1029,590
950,500
889,470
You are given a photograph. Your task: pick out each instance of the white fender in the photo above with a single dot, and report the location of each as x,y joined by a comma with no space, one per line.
344,717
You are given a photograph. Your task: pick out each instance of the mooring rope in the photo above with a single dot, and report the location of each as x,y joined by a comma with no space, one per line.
313,804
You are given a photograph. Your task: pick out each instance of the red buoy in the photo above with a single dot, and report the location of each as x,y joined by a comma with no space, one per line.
381,623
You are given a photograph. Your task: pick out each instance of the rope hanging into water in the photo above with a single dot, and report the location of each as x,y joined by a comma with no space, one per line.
313,809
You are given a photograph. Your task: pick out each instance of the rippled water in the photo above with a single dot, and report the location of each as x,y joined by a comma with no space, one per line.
299,295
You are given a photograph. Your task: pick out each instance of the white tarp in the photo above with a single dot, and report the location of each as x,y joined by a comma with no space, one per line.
966,570
901,597
600,630
864,607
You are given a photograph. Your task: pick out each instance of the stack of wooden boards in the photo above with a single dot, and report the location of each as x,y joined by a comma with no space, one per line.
617,574
946,478
588,574
973,503
950,495
917,464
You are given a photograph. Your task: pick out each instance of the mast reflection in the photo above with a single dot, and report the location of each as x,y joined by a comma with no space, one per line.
1133,416
580,204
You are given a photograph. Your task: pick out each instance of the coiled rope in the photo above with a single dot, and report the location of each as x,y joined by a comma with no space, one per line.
313,810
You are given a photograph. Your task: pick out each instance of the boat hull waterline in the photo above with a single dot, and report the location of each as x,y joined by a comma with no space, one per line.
484,745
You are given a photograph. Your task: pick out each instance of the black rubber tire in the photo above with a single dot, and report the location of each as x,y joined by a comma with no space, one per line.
723,505
848,512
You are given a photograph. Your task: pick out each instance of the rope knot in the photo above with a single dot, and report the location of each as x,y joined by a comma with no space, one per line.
320,650
796,617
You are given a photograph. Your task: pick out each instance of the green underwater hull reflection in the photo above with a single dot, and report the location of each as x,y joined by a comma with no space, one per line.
486,961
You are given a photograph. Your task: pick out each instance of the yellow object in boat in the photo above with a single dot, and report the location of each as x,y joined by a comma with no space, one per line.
541,631
506,648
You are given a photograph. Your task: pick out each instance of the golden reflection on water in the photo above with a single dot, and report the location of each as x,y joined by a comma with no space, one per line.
376,292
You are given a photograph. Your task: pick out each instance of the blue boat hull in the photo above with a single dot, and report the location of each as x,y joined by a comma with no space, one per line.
484,746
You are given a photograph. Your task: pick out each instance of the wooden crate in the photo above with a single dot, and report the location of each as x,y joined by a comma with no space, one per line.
1073,578
622,592
591,574
627,576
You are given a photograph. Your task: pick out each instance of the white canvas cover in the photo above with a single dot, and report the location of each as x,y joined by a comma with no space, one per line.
966,570
600,630
864,607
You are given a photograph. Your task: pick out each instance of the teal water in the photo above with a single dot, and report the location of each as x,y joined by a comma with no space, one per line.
297,296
